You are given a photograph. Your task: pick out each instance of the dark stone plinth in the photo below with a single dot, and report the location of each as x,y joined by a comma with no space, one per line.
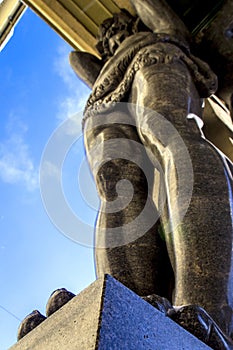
108,316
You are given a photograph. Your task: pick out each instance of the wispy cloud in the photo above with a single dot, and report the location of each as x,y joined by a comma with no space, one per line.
77,92
16,164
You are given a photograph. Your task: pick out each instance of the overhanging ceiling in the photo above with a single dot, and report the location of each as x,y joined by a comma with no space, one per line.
10,13
77,21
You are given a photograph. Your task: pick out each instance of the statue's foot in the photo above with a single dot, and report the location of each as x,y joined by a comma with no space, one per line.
29,323
197,321
160,303
57,299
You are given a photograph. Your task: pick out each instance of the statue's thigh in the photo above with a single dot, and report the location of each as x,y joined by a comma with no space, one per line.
168,89
115,153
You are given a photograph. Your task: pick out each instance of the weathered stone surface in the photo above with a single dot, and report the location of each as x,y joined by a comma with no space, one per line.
108,316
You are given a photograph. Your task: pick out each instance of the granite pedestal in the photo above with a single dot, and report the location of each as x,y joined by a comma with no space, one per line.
108,316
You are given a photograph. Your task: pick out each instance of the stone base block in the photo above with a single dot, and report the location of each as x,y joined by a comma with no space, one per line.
108,316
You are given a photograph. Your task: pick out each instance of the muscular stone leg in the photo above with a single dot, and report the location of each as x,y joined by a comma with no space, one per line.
200,246
134,255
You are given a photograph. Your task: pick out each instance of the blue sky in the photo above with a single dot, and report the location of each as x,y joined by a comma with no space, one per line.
38,91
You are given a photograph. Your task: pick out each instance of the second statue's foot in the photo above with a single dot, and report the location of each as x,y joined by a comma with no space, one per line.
195,320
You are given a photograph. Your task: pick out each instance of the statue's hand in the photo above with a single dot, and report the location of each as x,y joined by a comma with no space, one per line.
160,18
86,66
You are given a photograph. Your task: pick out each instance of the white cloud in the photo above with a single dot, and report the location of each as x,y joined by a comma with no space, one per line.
77,92
62,67
16,165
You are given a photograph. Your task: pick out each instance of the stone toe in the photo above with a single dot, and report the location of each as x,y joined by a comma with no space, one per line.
57,299
29,323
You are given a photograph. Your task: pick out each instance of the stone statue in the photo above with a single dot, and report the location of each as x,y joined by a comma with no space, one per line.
147,63
146,103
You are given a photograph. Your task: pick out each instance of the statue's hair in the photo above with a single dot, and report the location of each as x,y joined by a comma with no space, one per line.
107,23
123,18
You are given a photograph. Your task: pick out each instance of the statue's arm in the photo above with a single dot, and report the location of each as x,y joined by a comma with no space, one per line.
86,66
160,18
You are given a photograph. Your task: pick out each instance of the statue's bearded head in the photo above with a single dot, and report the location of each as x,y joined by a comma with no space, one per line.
113,31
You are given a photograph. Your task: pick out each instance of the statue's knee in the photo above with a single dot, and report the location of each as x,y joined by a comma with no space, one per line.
106,179
111,172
